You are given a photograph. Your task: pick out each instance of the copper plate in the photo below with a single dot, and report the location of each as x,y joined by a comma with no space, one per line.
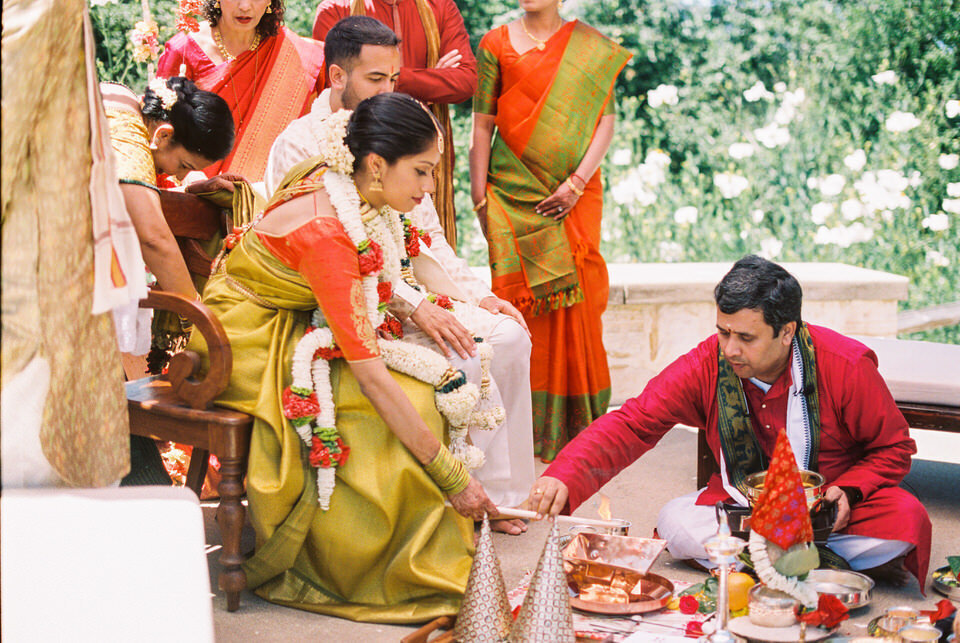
650,592
625,552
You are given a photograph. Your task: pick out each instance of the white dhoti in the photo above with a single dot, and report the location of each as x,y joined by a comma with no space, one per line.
685,525
508,471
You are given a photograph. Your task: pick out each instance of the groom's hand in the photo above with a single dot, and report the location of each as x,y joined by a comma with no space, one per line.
444,329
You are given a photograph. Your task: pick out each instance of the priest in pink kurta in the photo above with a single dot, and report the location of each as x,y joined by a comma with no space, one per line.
863,446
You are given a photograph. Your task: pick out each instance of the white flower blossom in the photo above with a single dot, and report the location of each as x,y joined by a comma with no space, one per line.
101,3
821,211
951,205
812,182
772,135
631,189
657,157
882,190
785,114
832,184
670,251
899,122
686,214
953,190
757,92
888,77
948,161
937,222
795,98
662,95
915,179
770,248
740,151
780,87
937,258
843,236
757,216
855,160
730,185
851,209
952,108
622,156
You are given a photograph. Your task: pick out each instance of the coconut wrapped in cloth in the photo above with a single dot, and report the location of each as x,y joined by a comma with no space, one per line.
781,535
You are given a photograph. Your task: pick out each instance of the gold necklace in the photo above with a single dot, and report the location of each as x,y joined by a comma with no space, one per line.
227,56
541,44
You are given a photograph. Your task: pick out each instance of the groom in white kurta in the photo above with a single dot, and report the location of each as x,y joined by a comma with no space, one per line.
509,470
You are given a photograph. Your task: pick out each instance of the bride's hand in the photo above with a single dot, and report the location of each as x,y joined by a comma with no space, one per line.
473,502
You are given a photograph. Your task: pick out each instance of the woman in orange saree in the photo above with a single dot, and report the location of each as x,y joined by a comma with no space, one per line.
546,85
267,74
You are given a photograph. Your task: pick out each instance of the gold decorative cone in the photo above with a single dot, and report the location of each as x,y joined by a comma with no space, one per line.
545,616
485,612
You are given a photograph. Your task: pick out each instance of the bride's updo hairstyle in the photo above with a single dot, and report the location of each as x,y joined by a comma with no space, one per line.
391,125
201,120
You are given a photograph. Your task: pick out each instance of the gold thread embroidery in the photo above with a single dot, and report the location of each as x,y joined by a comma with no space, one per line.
358,316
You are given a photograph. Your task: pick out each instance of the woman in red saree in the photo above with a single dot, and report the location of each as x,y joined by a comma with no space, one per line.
267,74
546,86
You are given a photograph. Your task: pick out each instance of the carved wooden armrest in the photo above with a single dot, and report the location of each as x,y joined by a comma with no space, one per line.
185,365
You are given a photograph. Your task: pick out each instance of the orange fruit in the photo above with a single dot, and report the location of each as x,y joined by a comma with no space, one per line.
738,586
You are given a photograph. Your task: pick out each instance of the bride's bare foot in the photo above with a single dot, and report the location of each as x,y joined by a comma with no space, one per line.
513,527
892,572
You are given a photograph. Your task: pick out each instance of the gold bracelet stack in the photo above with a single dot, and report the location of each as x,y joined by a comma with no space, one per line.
447,472
573,188
482,203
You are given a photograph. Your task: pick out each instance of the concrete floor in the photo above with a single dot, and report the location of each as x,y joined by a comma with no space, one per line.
636,494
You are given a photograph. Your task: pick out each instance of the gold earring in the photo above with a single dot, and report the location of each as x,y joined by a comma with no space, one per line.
269,8
216,4
375,184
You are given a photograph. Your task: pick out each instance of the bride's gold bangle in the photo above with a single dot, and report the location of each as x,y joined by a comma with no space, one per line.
447,472
573,188
482,203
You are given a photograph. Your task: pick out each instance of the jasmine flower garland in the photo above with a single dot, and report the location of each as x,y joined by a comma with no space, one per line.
760,557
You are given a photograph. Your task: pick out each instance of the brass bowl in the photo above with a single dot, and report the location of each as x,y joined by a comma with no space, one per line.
812,486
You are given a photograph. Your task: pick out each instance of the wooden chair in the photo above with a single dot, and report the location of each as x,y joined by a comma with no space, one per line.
178,407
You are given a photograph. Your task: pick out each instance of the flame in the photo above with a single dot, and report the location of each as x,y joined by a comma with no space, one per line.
604,509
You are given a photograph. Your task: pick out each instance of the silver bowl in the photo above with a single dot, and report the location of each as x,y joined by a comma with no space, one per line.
812,486
852,588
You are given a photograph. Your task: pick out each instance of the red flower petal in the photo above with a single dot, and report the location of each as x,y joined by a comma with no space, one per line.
689,604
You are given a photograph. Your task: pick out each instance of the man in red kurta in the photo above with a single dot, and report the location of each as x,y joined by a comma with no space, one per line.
438,66
862,445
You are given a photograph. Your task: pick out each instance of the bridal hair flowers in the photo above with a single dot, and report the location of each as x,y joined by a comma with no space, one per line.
167,96
332,146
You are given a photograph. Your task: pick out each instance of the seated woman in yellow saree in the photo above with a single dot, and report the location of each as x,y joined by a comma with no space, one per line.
546,85
348,472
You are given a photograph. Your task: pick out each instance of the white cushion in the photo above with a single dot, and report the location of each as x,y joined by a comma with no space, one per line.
921,372
117,564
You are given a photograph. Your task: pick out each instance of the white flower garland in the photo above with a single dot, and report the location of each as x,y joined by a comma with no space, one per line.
760,557
456,399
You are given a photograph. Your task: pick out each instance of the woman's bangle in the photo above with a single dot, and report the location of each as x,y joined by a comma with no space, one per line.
573,188
577,177
479,205
448,472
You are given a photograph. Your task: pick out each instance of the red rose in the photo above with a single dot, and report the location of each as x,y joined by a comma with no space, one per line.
689,604
371,259
341,457
694,629
413,242
296,406
384,291
319,453
328,353
426,239
444,302
392,327
829,613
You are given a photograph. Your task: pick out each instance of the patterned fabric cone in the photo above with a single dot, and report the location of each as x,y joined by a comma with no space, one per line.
485,612
545,616
781,514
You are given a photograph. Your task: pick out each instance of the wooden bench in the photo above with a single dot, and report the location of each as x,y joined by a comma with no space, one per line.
179,407
923,377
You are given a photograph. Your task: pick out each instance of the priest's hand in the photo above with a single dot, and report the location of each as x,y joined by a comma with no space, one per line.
548,497
836,494
496,305
444,329
473,502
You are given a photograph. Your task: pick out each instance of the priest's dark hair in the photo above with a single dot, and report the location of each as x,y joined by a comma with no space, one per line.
391,125
346,38
202,121
758,284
